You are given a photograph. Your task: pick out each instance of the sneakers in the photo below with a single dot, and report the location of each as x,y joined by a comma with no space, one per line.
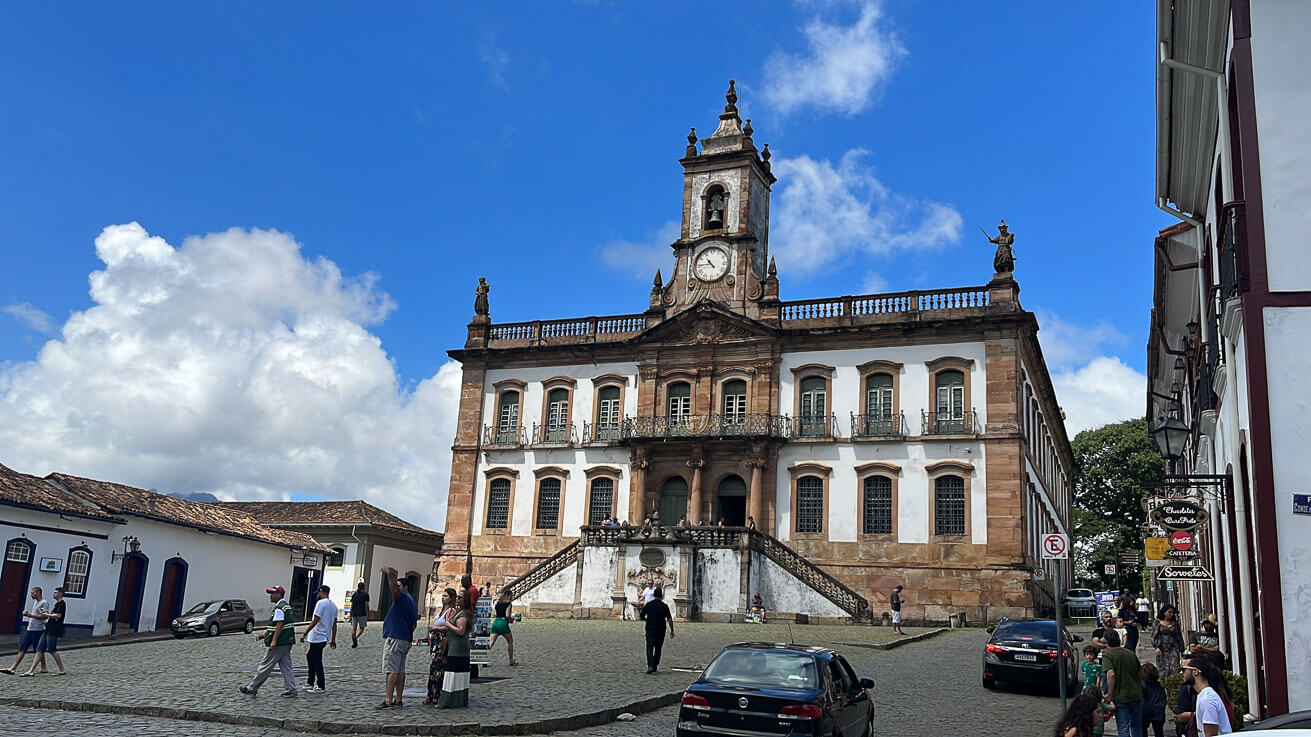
314,689
247,690
289,693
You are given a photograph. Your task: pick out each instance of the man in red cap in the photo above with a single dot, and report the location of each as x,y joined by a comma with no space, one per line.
278,638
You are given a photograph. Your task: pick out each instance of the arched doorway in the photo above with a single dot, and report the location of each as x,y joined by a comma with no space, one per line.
17,573
731,501
171,590
131,589
673,500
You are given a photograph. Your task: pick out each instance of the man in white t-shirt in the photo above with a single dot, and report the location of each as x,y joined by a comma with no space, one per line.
1210,712
1144,610
35,614
322,632
648,593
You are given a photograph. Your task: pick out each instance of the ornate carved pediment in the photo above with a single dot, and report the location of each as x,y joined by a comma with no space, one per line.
656,576
705,324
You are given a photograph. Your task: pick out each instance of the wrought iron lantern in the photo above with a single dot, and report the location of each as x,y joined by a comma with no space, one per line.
131,544
1170,437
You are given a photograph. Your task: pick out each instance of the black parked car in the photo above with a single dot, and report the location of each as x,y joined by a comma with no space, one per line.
775,689
215,617
1027,650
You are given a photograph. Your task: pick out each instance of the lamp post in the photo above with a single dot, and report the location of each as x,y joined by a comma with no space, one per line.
130,545
1170,437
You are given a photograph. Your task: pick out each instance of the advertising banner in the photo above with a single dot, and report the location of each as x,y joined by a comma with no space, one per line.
482,632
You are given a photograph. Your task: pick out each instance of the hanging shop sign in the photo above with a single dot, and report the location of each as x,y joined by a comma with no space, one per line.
1183,573
1178,515
1154,548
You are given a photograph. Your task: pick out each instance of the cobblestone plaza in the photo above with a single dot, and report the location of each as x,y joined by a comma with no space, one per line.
575,675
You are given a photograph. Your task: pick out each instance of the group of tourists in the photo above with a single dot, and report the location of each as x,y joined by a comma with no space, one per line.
1116,683
45,625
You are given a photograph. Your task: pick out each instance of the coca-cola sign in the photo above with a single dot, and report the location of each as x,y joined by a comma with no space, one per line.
1178,514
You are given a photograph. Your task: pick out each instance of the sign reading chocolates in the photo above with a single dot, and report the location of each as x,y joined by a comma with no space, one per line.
1179,515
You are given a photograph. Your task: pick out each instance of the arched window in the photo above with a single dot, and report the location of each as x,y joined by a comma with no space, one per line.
79,567
507,418
601,503
548,504
336,557
715,207
814,407
498,504
949,505
950,403
607,413
877,506
810,504
680,400
735,402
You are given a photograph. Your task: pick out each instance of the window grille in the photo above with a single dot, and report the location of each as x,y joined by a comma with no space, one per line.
548,504
878,505
949,506
603,494
498,504
810,504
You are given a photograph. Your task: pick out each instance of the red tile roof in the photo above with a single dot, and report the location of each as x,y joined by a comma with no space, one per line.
120,499
31,491
325,513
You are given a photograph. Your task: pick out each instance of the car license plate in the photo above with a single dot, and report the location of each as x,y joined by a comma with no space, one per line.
1026,656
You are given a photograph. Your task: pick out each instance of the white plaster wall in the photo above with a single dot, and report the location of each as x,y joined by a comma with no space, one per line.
1288,353
101,587
632,562
913,488
1280,54
782,592
599,575
573,504
718,580
584,396
343,579
404,561
558,589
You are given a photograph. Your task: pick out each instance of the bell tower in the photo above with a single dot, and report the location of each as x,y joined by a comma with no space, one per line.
722,253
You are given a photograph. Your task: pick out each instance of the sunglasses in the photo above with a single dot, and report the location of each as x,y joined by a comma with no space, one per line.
1189,667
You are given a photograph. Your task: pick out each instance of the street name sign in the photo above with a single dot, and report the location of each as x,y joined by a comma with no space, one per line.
1183,573
1055,546
1302,504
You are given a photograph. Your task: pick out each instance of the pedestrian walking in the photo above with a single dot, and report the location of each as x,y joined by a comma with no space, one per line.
1153,701
397,636
455,682
1206,642
1212,713
322,633
49,642
1080,718
35,613
359,612
656,613
1091,669
894,600
1167,640
648,593
1124,686
1144,606
501,626
278,638
437,646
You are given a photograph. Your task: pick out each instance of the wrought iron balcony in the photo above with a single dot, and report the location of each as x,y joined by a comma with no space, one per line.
554,435
513,436
933,423
815,426
886,425
602,433
708,426
1233,250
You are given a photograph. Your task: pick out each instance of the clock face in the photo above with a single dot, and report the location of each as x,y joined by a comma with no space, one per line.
711,264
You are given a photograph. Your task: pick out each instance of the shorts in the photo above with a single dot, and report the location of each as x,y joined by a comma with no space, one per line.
500,626
30,641
49,643
394,651
359,623
896,617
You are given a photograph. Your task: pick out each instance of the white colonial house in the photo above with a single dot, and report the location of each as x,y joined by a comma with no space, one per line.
1230,340
131,560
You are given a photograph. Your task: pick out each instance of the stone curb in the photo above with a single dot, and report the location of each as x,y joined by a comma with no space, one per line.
553,724
892,644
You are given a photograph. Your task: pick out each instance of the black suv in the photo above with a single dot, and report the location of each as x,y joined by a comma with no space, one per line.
1028,650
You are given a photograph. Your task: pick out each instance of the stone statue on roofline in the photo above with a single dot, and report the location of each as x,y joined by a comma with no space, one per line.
1004,261
481,306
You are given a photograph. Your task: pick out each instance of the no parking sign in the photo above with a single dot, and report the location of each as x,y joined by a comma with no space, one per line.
1055,546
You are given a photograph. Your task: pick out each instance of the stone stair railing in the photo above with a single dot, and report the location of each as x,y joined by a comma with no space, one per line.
565,557
812,575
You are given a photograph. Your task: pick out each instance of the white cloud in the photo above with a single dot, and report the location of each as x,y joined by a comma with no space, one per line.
494,59
231,364
30,316
873,283
1102,391
841,69
824,213
1066,344
640,259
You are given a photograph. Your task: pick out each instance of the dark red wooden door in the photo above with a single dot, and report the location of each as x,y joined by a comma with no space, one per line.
129,593
170,595
13,585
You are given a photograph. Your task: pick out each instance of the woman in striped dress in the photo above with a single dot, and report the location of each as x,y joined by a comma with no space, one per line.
455,684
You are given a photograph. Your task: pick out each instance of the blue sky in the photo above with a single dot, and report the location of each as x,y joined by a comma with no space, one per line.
401,154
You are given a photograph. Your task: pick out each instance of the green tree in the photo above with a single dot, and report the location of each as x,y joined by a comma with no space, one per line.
1112,465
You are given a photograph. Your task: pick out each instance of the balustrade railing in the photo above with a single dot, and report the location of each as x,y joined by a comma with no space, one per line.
610,327
700,535
508,436
565,557
965,423
1233,251
815,426
886,425
708,425
602,432
554,435
884,304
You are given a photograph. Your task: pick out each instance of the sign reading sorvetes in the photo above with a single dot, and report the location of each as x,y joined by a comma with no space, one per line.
1179,515
1183,573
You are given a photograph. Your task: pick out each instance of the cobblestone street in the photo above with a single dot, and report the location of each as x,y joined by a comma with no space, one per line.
569,668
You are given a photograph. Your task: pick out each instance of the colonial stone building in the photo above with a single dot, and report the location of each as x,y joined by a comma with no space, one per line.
849,444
